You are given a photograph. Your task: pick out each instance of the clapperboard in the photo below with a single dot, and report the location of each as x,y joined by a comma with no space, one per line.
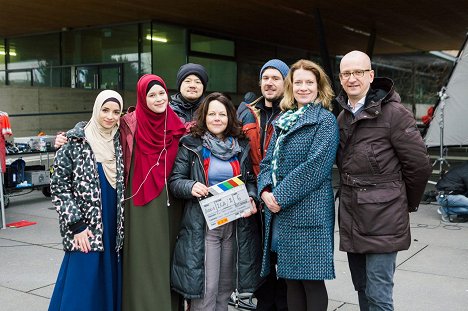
228,200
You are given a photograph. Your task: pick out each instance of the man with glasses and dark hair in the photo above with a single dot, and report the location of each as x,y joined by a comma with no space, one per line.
384,168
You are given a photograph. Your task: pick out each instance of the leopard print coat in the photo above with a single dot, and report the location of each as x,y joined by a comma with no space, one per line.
76,191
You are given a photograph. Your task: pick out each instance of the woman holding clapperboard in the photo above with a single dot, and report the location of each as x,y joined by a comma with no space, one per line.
209,264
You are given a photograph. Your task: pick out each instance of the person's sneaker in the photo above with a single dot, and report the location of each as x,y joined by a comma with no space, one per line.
445,218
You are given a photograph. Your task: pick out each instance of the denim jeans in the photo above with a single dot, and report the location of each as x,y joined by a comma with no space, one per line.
372,276
453,204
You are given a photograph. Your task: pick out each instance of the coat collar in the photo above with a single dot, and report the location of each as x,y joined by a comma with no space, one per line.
259,104
312,116
380,93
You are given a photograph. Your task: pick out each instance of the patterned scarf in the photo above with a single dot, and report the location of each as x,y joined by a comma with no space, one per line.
284,123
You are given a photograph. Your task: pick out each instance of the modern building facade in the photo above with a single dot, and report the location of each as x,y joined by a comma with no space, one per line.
49,76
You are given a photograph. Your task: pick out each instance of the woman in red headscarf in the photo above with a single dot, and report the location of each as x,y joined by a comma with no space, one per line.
150,138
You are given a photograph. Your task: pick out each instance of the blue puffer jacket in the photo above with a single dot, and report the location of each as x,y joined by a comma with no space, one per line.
304,192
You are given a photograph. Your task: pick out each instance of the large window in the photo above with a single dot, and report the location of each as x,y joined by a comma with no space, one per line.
2,62
222,74
20,77
210,45
114,57
218,57
117,44
95,48
169,51
2,54
30,59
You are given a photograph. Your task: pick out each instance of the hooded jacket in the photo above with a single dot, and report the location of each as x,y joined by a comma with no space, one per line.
384,168
183,108
250,119
188,266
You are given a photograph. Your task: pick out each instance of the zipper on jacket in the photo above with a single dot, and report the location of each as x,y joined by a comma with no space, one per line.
96,174
237,261
98,181
199,159
206,225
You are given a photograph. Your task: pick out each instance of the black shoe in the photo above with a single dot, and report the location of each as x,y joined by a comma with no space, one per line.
461,218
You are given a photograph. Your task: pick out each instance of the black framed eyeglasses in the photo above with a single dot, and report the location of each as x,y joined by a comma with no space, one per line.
356,74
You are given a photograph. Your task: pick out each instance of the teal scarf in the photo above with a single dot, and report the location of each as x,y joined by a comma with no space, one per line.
284,123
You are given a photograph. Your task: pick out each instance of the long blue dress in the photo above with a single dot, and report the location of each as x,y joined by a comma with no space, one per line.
93,281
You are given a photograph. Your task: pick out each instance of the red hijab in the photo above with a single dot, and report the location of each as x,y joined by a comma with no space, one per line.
151,146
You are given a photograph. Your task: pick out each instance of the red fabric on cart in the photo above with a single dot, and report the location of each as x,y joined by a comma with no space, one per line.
5,129
21,223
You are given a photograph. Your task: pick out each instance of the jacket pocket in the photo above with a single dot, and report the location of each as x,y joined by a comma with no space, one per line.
380,210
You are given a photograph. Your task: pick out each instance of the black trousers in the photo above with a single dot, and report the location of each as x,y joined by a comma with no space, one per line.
271,296
307,295
357,266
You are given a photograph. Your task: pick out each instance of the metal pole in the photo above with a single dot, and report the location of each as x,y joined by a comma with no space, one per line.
441,147
1,199
441,160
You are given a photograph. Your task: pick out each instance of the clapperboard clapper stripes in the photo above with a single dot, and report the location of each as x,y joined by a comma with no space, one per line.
228,201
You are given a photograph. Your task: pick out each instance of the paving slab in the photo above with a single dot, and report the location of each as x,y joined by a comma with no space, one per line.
431,276
347,307
26,268
440,261
416,291
45,291
9,243
13,300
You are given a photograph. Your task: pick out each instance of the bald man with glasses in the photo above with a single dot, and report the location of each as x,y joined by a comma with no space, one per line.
384,167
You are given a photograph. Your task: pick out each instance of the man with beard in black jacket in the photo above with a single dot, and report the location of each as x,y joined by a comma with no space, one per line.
191,83
257,123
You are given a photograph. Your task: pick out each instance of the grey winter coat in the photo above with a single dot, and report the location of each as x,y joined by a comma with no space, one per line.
188,266
384,167
76,191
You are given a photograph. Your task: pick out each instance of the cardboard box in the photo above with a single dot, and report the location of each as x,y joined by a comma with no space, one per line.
37,178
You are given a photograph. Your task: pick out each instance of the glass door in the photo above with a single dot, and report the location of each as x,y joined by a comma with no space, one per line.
99,77
110,77
87,77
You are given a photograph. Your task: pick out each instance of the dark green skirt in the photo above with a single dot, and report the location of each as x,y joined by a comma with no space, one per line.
150,233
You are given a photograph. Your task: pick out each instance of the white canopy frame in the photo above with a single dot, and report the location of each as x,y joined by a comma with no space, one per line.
449,126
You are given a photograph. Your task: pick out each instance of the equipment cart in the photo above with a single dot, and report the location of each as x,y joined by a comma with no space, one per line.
26,172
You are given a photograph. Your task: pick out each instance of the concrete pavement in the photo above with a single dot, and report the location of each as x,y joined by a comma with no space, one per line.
431,276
